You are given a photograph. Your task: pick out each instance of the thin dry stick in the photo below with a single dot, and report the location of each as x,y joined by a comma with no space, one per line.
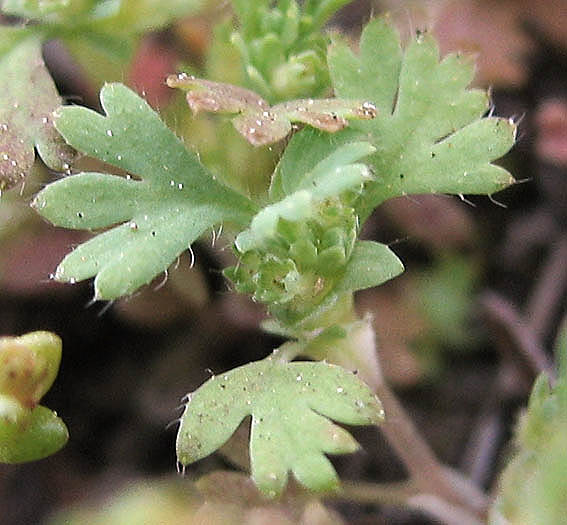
527,347
547,295
444,512
429,475
373,493
482,446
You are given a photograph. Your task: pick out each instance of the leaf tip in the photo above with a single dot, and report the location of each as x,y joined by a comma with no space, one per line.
379,413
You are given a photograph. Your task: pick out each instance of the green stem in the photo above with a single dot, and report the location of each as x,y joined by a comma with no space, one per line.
428,474
287,352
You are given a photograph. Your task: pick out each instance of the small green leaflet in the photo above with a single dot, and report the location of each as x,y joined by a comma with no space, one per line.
28,367
290,404
261,123
334,175
155,218
283,46
44,435
371,264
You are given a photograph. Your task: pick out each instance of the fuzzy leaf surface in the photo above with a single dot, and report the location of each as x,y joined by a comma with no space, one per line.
261,123
334,175
370,264
156,217
289,404
28,100
429,131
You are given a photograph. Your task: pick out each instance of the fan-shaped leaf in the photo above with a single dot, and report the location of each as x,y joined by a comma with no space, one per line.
289,404
428,132
159,216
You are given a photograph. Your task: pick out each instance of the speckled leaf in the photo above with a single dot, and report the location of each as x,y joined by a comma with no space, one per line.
261,123
28,100
157,217
428,132
289,404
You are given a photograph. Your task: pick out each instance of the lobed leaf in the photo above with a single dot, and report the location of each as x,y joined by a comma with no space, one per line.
289,404
28,100
429,131
155,218
261,123
532,487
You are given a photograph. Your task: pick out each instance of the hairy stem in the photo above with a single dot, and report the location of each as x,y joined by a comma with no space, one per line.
428,474
287,352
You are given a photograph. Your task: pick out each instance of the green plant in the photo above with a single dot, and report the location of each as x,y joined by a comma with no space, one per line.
28,366
533,488
413,127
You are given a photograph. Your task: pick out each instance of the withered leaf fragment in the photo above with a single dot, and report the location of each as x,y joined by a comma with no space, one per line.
29,98
260,123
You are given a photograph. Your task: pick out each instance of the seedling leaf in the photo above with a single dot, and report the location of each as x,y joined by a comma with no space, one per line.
156,218
331,177
28,100
289,404
45,434
261,123
370,264
429,131
28,366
